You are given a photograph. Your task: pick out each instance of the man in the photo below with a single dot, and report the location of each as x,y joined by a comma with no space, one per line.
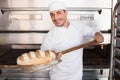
64,35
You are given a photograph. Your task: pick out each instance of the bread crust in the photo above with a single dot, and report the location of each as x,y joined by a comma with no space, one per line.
36,57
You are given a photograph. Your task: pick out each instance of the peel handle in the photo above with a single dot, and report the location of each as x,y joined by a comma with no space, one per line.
84,45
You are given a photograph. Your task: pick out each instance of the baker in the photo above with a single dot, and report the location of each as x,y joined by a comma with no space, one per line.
66,34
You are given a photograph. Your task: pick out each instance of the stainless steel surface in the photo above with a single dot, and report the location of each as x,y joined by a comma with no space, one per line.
31,20
29,28
95,74
95,66
23,25
44,3
21,38
18,74
113,41
114,59
40,20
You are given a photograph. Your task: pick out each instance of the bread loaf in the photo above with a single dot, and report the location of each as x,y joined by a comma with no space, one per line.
35,58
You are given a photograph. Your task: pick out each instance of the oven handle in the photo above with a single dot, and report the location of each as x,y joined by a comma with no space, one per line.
9,66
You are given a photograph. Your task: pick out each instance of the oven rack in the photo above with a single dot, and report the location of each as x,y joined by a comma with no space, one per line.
115,44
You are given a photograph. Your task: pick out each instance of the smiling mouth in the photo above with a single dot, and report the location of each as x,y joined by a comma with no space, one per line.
57,21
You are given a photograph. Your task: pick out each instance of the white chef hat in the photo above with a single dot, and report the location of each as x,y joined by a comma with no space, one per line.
57,5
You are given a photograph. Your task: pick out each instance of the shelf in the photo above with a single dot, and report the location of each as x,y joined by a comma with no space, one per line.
24,31
118,27
117,51
117,71
115,44
117,61
118,35
46,9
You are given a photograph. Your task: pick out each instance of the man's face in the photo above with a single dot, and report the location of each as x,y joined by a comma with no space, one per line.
59,17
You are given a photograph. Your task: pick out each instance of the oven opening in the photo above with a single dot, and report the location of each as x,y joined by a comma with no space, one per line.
97,56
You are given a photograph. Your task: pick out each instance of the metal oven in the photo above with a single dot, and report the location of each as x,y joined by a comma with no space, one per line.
23,25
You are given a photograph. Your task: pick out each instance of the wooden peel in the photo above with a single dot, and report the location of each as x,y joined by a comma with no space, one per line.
34,68
84,45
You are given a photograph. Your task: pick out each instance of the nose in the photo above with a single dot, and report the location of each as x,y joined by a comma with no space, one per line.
55,16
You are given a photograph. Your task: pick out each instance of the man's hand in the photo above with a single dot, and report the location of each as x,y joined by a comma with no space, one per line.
58,54
99,38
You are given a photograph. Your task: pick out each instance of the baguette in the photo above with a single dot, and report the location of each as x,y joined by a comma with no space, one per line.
35,58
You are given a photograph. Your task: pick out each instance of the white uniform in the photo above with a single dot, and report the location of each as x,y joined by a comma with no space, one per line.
61,38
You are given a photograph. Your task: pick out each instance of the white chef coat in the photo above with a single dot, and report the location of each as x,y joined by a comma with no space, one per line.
61,38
